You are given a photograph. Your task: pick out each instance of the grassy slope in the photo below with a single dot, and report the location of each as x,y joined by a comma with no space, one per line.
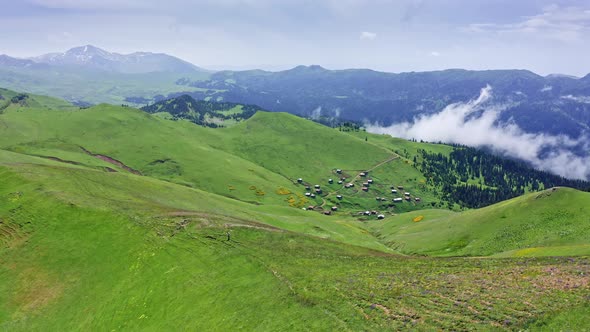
103,269
402,171
170,150
552,222
576,319
120,191
38,101
402,146
265,153
199,112
258,160
93,87
241,156
87,250
286,145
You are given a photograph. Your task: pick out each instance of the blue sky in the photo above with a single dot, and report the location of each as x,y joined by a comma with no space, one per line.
396,36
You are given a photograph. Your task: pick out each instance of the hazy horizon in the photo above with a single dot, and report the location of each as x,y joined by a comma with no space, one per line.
279,67
384,35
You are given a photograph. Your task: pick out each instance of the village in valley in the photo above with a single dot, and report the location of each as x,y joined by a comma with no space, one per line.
332,196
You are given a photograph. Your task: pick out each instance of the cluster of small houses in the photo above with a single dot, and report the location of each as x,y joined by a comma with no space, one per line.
366,184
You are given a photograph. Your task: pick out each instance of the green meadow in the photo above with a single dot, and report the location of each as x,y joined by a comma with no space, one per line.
83,85
554,222
114,219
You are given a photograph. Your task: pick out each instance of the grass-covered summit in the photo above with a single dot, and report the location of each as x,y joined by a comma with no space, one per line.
206,113
555,221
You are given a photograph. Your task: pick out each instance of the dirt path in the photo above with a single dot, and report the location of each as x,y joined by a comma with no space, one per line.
227,221
59,160
112,161
392,158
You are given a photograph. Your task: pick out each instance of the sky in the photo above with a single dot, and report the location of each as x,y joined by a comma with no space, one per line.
387,35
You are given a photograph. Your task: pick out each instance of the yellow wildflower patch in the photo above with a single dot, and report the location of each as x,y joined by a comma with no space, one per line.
283,191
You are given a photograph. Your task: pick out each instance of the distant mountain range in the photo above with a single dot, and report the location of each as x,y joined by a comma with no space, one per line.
553,108
554,104
90,75
94,58
10,62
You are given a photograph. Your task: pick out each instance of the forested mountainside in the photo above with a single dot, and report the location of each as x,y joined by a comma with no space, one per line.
551,104
206,113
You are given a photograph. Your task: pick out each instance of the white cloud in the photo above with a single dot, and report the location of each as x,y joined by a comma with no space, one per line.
462,123
434,53
316,113
579,99
337,112
365,35
567,24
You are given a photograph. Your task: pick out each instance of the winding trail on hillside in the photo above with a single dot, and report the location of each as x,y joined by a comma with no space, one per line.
111,161
71,162
227,220
59,160
392,158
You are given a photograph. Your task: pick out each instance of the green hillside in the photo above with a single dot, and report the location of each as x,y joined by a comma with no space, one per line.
119,268
149,145
115,219
552,222
293,148
14,100
87,249
88,86
256,161
201,112
404,147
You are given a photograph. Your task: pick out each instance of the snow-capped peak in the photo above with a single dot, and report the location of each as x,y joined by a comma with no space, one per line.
94,58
